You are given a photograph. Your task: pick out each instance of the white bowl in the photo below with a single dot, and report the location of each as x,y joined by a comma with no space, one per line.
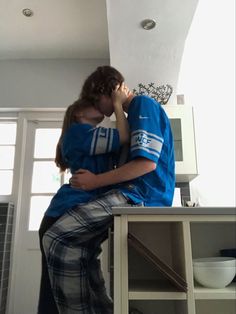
214,272
215,261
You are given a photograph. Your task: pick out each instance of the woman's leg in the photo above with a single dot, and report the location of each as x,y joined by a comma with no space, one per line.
67,246
47,304
101,301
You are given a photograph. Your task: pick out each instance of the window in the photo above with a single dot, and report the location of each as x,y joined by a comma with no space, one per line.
46,178
7,155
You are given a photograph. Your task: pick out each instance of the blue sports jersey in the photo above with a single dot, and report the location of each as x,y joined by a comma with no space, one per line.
151,137
83,146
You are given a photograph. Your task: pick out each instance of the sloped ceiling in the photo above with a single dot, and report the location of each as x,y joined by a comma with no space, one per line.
102,30
145,56
58,29
79,28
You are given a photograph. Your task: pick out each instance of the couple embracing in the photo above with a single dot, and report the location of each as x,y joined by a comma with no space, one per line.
78,217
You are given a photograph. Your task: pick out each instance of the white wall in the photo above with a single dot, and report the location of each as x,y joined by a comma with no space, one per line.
207,79
155,56
43,83
145,56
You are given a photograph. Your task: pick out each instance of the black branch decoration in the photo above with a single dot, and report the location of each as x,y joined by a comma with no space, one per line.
160,93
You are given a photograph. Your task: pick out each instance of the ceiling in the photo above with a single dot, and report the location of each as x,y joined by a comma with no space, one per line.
58,29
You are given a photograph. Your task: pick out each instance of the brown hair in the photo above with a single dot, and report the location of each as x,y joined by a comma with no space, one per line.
101,82
69,118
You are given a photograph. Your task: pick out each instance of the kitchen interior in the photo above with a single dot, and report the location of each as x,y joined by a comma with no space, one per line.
47,50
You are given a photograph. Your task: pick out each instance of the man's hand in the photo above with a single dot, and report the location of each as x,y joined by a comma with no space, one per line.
83,179
120,94
86,180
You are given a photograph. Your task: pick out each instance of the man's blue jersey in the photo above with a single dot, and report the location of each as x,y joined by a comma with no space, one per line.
151,138
84,146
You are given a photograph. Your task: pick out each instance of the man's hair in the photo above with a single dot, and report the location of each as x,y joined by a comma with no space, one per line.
101,82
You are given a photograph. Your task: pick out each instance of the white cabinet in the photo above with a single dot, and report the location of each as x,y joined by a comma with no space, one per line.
182,124
176,235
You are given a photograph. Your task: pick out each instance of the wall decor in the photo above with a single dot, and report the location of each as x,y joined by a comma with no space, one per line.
160,93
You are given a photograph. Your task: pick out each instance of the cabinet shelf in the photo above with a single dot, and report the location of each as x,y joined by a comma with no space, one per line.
202,293
176,239
154,290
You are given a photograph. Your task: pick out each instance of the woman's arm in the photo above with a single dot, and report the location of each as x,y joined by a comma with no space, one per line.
87,180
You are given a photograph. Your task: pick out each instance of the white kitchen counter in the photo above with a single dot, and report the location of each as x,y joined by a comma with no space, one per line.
176,235
173,210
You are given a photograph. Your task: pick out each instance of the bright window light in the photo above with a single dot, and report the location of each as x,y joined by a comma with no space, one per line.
7,155
38,206
45,142
7,133
6,182
46,177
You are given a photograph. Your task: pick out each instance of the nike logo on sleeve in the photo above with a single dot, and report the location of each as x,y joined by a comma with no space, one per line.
142,117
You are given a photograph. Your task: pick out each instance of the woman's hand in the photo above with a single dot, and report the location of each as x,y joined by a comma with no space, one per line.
83,179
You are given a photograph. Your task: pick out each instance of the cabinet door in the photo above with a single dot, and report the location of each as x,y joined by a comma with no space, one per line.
181,119
208,238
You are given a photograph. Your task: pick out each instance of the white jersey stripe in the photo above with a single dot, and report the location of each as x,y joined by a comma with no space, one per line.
146,149
149,148
110,140
148,134
92,149
102,141
143,140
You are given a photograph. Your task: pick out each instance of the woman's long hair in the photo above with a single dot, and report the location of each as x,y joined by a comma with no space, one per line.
69,118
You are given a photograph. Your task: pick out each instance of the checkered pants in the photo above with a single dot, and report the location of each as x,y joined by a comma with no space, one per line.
72,246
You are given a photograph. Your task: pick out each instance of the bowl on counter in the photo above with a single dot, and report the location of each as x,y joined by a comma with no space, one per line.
214,272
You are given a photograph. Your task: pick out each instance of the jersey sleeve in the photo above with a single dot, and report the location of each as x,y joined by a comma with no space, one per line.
147,125
103,140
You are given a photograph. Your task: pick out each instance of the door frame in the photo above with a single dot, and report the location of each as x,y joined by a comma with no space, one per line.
23,117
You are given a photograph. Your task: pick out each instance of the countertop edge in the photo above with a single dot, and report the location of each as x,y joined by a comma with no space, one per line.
141,210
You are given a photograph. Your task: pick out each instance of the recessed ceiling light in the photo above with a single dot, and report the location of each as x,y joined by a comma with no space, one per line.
148,24
27,12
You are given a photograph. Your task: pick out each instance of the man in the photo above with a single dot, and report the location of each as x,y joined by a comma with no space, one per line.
148,179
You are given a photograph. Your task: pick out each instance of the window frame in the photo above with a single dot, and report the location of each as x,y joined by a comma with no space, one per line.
31,162
21,117
10,117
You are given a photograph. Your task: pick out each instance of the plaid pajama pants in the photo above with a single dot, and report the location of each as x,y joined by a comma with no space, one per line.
72,246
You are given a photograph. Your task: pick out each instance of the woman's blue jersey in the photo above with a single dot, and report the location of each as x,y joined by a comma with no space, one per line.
84,146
